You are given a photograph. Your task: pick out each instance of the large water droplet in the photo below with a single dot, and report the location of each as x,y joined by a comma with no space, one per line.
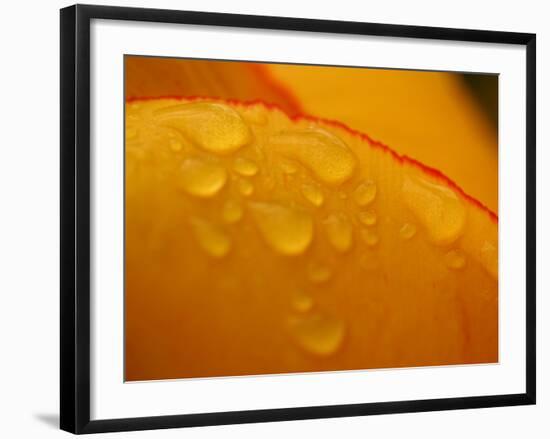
339,231
313,194
201,178
455,259
286,230
324,154
245,167
437,208
212,126
232,211
365,193
318,334
212,239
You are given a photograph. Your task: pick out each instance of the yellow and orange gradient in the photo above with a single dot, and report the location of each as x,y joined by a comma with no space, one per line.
267,231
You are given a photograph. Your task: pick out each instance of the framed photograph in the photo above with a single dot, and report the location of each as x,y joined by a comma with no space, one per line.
268,218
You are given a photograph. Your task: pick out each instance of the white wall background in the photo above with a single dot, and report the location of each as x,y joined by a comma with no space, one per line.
29,249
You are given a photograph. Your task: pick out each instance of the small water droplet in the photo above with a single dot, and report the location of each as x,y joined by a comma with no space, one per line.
232,211
313,194
212,126
365,193
286,230
245,167
339,231
455,259
438,208
318,334
175,145
288,167
370,237
318,273
489,258
407,231
246,188
302,302
212,239
201,178
368,217
320,151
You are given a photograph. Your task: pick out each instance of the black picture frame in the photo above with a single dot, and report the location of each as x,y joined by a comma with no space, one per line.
75,218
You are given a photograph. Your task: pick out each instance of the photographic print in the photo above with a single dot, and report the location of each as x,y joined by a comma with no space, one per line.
286,218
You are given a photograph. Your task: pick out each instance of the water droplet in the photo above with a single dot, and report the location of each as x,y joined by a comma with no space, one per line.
286,230
175,145
318,273
437,207
212,239
201,178
407,231
245,167
246,188
324,154
370,237
455,259
489,258
339,231
318,334
232,212
313,194
288,167
212,126
302,302
365,193
368,217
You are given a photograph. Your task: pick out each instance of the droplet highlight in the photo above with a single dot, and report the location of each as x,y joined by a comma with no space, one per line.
201,178
212,126
286,230
437,208
323,153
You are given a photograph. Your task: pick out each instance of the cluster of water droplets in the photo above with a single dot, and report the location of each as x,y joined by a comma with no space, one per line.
289,229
